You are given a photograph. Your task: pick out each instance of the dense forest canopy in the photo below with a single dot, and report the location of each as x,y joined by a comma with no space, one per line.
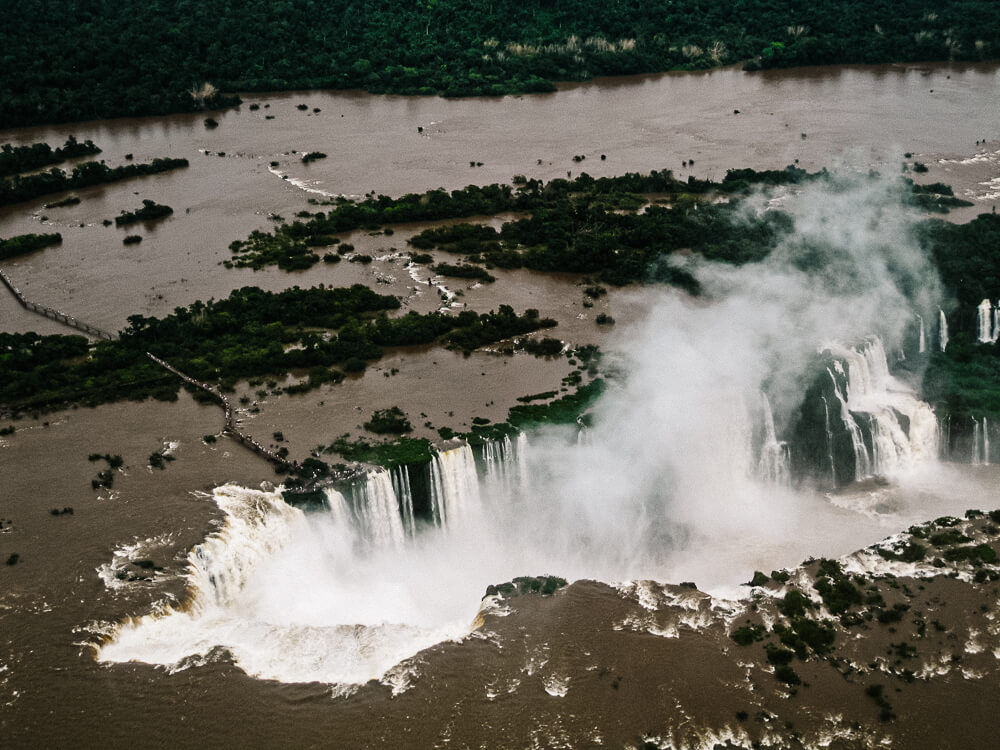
62,60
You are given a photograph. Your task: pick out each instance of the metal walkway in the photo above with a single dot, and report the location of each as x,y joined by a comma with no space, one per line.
229,428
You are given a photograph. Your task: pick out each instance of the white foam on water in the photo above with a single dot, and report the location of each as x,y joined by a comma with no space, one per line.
302,184
115,573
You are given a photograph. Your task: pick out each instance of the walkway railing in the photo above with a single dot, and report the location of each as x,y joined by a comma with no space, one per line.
230,426
55,315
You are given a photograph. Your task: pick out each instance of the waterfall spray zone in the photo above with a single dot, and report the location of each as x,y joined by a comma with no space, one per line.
680,456
799,387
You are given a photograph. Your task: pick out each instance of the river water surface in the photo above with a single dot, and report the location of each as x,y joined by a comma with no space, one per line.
52,692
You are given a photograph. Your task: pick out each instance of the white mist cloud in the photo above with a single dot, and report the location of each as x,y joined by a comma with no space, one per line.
664,485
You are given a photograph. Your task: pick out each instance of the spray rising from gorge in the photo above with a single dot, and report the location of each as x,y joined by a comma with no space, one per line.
684,475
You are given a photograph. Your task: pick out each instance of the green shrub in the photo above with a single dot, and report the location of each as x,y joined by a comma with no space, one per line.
786,674
794,604
759,579
747,634
777,655
389,421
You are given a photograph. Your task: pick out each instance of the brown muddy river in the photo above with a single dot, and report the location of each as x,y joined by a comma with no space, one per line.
54,603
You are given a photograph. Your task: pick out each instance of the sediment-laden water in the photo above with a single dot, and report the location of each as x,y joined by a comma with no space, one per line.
254,623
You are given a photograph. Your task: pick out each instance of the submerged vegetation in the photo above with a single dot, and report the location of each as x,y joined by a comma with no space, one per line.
150,211
136,58
105,479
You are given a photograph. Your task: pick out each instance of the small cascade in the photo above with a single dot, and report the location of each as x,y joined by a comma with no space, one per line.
498,456
985,326
862,462
944,437
376,511
977,456
996,324
923,336
502,465
338,508
401,487
829,441
774,464
454,485
980,442
942,330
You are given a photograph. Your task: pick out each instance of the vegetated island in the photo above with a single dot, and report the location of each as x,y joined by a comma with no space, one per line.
16,159
27,187
136,58
24,244
150,211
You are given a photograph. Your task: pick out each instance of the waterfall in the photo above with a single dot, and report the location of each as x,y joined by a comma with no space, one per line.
257,525
829,441
996,324
338,507
976,454
739,441
923,336
774,462
942,330
862,463
980,442
944,437
903,429
454,485
985,311
498,455
749,447
521,451
401,486
502,465
291,598
376,511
